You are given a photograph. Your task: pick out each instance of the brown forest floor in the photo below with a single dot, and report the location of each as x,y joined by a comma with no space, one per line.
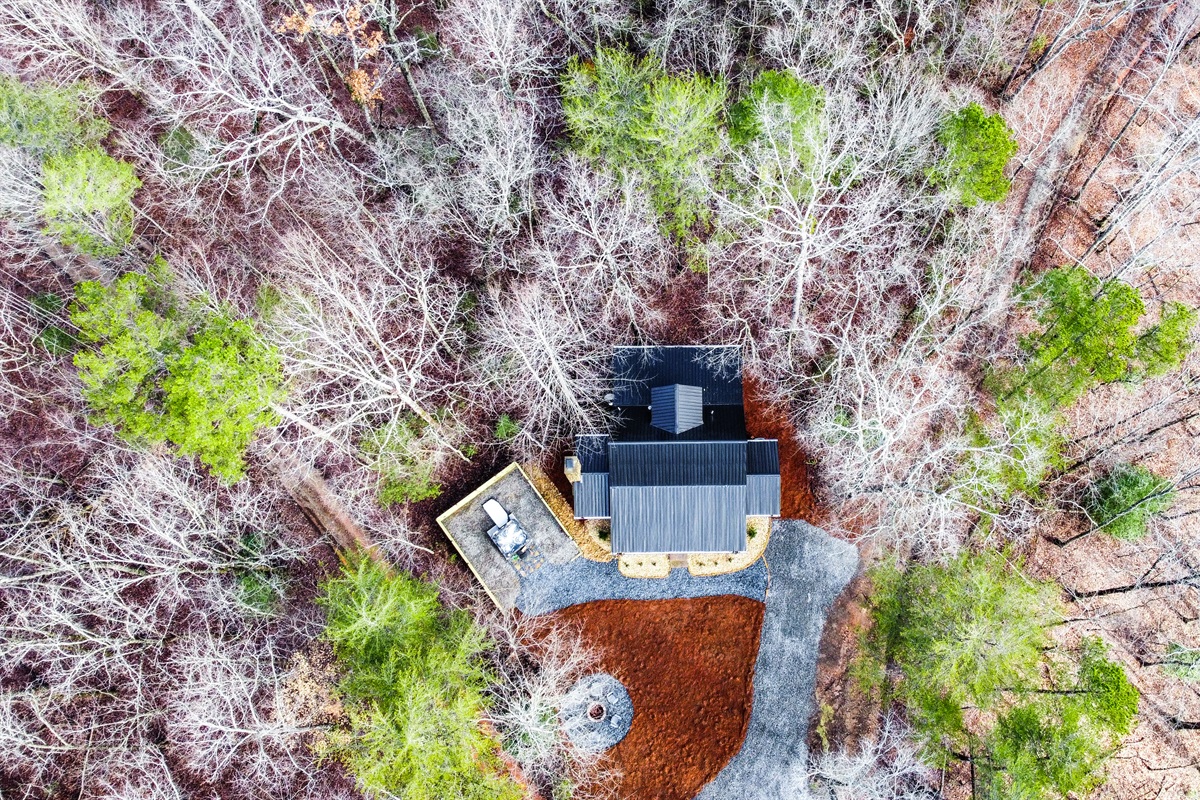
689,667
768,420
845,714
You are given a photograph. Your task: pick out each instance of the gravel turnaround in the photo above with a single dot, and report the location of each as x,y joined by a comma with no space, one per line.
555,586
808,569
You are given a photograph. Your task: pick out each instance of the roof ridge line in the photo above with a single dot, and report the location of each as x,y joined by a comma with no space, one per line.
687,441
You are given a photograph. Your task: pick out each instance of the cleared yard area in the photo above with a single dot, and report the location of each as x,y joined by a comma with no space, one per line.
688,665
467,524
701,679
722,686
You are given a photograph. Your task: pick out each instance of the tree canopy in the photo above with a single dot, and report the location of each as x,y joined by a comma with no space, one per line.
1088,336
630,114
971,642
414,689
162,371
402,453
86,194
978,146
1122,502
776,99
46,118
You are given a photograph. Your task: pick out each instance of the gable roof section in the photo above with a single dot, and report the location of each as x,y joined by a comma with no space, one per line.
677,496
762,457
677,463
763,490
676,408
590,496
762,496
678,519
637,369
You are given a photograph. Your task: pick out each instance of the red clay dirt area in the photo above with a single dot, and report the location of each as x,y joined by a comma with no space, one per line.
689,667
768,420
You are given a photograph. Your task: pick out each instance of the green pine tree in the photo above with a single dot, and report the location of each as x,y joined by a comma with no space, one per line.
88,200
414,688
1087,337
630,115
978,146
162,372
972,636
404,457
1123,502
776,100
47,119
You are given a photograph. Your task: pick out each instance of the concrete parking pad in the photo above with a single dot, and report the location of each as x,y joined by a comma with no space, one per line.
466,523
807,569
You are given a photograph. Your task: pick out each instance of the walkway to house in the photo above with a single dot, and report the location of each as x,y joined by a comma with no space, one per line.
581,581
808,569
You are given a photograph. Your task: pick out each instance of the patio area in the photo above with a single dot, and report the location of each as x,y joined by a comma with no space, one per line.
466,524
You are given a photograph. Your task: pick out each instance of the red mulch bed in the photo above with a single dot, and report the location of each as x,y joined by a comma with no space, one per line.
689,668
770,421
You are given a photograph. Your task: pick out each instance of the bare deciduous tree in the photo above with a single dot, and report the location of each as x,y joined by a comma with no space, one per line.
598,248
218,71
101,595
500,159
220,717
369,331
546,361
546,662
504,42
887,767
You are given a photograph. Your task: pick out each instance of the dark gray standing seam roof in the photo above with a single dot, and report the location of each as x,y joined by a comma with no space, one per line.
721,423
677,463
637,369
762,496
678,519
677,496
591,496
676,408
762,457
679,476
592,452
762,479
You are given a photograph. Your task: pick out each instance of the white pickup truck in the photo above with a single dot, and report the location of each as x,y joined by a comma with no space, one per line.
506,533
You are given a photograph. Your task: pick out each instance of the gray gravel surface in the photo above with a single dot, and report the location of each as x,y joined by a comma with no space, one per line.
557,586
595,735
808,569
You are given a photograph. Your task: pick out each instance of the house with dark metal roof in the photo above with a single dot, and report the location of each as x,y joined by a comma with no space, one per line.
676,473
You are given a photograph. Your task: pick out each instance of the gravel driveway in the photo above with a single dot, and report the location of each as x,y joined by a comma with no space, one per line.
556,586
808,569
805,570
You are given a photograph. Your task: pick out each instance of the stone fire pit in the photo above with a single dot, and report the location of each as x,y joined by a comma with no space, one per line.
597,712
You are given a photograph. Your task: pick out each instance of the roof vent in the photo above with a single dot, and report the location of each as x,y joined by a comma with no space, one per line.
676,408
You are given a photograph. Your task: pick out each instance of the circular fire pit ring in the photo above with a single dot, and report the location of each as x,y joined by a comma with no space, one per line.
597,712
